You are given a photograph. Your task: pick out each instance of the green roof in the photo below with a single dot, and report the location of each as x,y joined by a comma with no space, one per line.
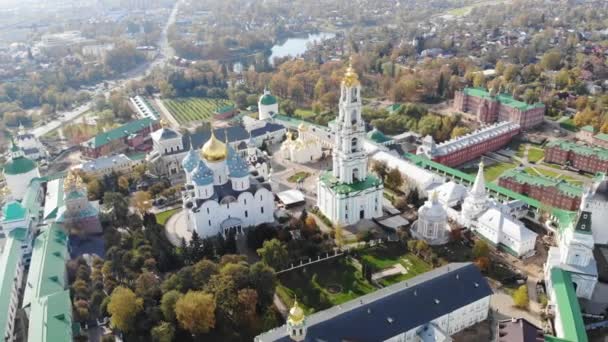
550,338
120,132
9,260
563,217
583,224
562,186
31,199
13,211
268,99
47,273
588,128
343,188
225,109
377,136
601,136
19,165
567,306
566,145
51,318
503,98
295,122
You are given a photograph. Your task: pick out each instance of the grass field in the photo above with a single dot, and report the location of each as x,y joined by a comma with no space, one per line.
302,175
323,285
536,171
190,109
569,125
492,172
386,256
535,154
161,218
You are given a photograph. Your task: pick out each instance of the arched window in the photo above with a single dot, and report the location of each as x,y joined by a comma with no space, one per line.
355,175
353,144
353,117
353,97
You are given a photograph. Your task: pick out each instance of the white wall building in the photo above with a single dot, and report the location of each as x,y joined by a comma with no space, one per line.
268,106
595,201
432,225
348,193
11,280
304,149
430,307
19,172
220,193
106,165
32,147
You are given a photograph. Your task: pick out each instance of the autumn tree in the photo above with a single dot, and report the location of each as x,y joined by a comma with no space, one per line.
167,304
380,168
483,263
124,305
394,179
520,297
195,312
141,201
481,249
274,253
163,332
339,235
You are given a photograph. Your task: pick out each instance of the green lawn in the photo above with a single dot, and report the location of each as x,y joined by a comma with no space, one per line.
535,154
323,285
386,256
302,175
190,109
161,218
492,172
304,113
569,125
556,175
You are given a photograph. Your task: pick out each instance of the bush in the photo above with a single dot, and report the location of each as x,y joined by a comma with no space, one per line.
520,297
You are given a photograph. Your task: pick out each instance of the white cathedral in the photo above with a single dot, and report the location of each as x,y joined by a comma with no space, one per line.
304,149
348,193
220,195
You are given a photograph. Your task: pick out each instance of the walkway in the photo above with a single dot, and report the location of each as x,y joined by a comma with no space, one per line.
176,228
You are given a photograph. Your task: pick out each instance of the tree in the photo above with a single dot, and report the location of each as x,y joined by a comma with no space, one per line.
421,246
459,131
481,249
551,60
411,246
380,168
123,184
520,297
142,202
339,235
123,307
483,263
195,312
394,179
479,80
163,332
117,205
274,253
167,304
288,107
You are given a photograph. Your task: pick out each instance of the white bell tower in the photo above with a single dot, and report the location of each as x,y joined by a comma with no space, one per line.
349,159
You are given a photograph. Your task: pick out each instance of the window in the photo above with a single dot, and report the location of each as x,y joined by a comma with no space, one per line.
207,210
246,214
209,223
262,209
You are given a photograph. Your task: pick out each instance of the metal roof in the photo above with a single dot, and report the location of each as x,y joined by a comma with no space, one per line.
9,259
567,306
51,318
388,312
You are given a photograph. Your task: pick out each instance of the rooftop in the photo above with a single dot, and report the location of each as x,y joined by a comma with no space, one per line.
119,132
566,145
51,318
562,186
9,260
13,211
386,313
343,188
477,137
503,98
47,273
568,306
19,165
519,330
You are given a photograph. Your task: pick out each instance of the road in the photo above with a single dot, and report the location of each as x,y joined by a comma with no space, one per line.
165,52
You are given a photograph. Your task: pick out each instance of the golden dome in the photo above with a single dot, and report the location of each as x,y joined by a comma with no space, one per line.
302,127
296,314
214,150
72,180
351,78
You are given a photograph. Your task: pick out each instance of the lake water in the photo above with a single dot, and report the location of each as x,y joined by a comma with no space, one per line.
296,46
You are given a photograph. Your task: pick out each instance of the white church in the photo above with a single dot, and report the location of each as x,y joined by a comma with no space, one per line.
19,172
349,193
221,196
432,224
304,149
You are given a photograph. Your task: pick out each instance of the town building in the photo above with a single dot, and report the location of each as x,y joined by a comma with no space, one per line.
106,165
348,193
432,224
258,161
588,135
418,309
494,222
574,254
134,136
18,172
30,145
549,191
268,106
490,108
468,147
169,147
304,149
225,112
221,196
519,330
77,214
584,158
143,108
13,264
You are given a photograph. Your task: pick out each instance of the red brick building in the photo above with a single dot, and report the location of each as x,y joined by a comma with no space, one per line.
134,135
225,112
585,158
468,147
496,108
554,193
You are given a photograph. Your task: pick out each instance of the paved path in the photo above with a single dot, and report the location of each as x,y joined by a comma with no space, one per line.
176,228
502,305
280,305
395,269
166,113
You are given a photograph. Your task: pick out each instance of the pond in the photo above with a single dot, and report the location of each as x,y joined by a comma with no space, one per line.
297,45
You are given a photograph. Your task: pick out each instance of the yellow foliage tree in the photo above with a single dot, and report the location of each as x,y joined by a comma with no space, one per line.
141,201
195,312
124,306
